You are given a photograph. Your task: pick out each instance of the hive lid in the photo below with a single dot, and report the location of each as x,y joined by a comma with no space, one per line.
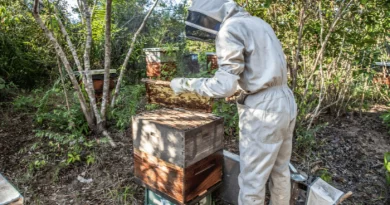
178,118
8,193
164,49
96,72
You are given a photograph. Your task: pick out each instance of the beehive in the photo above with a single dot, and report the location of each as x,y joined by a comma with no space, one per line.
178,152
153,198
177,136
181,185
191,62
212,61
161,62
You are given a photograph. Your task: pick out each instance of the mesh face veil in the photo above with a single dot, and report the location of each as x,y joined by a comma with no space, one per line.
201,27
206,16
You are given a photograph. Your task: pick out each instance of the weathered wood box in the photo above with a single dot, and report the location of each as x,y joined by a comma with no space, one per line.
180,185
177,136
178,152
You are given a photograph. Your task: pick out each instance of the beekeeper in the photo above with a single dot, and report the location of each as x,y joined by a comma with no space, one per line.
250,58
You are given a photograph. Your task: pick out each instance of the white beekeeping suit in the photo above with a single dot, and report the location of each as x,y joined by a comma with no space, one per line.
250,56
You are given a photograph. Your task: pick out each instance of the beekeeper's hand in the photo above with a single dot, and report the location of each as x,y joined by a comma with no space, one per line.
177,85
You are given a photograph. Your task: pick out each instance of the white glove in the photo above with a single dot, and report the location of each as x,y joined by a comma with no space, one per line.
177,85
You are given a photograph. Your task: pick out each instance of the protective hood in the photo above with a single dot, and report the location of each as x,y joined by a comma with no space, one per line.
206,16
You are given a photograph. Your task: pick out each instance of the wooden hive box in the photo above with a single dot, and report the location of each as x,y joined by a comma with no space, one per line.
177,136
178,152
212,61
161,62
179,185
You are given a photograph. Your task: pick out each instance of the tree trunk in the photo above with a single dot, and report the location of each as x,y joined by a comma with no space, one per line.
60,52
87,63
107,62
80,7
123,67
63,83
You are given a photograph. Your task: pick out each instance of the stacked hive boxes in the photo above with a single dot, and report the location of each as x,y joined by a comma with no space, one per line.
178,152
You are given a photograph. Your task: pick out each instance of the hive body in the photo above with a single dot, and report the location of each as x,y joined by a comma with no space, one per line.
178,152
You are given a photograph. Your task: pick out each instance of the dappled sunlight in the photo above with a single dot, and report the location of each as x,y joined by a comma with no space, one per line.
176,151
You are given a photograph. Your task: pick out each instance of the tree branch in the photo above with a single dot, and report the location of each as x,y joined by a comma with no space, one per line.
331,29
63,83
107,61
69,42
123,67
323,46
297,52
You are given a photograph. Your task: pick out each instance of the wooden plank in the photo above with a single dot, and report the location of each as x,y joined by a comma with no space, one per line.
203,141
159,175
96,72
202,175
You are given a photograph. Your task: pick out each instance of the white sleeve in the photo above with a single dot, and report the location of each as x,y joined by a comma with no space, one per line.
230,51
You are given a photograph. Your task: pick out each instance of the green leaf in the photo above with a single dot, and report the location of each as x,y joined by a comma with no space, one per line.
388,178
387,161
267,3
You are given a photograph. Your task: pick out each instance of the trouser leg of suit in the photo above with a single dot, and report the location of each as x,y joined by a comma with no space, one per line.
279,183
266,124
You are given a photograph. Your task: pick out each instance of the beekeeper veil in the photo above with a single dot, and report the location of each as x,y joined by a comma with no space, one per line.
206,16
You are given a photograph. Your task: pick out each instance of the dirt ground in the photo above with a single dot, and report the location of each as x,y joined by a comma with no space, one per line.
349,151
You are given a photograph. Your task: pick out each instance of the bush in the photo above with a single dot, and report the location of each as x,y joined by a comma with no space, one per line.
305,139
62,131
23,103
128,102
6,89
386,118
229,112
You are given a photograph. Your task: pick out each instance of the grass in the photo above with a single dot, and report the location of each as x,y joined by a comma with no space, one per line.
122,195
